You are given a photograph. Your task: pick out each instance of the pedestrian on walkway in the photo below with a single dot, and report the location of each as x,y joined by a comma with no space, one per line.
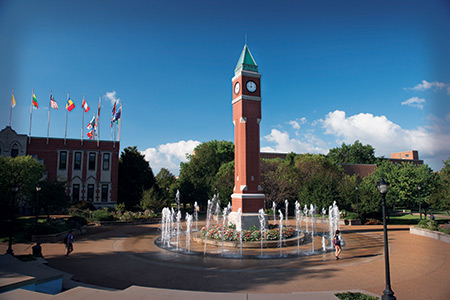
337,244
69,243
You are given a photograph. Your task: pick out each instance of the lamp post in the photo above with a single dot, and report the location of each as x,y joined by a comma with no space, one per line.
420,201
14,190
357,209
388,294
38,188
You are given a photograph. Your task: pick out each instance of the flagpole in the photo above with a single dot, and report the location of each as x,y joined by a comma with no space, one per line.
10,109
98,120
120,120
48,121
67,115
31,116
82,122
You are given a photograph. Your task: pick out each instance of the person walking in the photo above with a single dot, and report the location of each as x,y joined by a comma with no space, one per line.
337,244
69,243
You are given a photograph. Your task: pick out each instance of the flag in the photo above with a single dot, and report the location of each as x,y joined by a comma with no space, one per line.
98,113
13,101
90,134
70,105
34,101
85,106
113,114
118,114
91,124
53,103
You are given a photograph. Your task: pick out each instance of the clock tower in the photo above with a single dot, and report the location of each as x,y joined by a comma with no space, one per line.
246,90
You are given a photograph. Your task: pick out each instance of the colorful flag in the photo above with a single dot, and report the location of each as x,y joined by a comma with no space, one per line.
118,114
85,106
113,114
70,105
13,101
34,101
90,134
53,103
91,124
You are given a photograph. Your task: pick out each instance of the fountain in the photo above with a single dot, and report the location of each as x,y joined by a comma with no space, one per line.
188,231
178,227
333,219
224,221
208,219
281,232
298,222
262,227
196,215
286,204
177,200
274,207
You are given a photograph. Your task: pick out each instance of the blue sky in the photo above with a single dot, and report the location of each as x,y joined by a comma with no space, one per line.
332,72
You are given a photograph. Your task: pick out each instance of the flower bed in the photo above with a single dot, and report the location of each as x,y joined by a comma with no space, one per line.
230,234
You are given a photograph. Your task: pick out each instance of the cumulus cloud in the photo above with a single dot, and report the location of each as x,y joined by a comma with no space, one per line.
169,155
283,143
414,102
384,135
435,85
294,124
111,96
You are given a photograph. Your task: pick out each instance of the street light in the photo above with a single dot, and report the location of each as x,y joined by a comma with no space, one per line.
14,190
420,201
388,294
357,209
38,188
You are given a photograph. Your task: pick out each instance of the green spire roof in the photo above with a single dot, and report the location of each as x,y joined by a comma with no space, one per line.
246,61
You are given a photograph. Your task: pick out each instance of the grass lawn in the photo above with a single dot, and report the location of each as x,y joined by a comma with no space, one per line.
408,219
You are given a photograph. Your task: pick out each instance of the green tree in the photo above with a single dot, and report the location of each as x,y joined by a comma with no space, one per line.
25,172
198,176
53,197
153,199
225,182
440,196
356,153
166,183
135,176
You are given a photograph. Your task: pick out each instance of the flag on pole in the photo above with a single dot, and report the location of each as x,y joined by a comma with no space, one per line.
70,105
113,114
90,134
118,115
53,103
34,101
13,101
85,106
91,124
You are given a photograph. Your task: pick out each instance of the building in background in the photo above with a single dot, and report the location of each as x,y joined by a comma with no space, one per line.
89,168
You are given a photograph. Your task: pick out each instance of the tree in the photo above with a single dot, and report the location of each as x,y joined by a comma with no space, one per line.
352,154
135,176
198,175
440,196
25,172
225,182
53,197
166,182
153,199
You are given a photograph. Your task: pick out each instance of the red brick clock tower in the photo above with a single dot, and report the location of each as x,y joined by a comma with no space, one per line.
247,193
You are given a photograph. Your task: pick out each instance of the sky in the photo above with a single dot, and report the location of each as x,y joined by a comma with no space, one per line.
333,72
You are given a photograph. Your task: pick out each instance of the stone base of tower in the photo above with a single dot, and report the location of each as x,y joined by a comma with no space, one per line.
250,204
248,220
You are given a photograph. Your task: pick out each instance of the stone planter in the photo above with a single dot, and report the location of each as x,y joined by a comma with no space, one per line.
350,222
430,233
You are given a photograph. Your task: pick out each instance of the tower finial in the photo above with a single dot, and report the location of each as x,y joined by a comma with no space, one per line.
245,39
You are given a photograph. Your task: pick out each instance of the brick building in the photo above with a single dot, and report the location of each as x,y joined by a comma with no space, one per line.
90,169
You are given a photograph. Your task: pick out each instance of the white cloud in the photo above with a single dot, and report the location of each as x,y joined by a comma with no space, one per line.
111,96
426,85
385,136
169,155
414,102
294,124
283,143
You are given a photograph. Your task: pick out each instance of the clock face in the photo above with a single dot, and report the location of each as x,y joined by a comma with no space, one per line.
251,86
237,87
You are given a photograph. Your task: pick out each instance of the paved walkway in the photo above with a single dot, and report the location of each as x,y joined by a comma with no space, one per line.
122,256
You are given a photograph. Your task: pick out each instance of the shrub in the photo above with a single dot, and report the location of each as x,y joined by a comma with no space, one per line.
354,296
76,222
428,224
351,216
102,215
373,222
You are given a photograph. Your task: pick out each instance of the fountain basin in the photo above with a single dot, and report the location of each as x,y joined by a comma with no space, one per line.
199,238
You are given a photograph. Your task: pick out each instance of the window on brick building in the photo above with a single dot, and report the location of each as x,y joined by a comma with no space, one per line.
62,160
104,192
106,161
14,150
92,161
77,161
90,193
76,193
